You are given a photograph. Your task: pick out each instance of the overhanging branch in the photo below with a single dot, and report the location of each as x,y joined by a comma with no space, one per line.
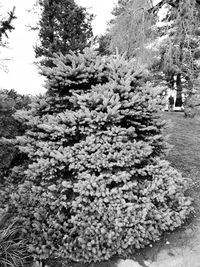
173,3
5,25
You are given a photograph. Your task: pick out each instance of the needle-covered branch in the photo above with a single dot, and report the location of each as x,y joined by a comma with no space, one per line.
6,25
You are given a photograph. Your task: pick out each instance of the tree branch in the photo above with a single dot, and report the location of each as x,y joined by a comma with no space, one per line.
5,25
173,3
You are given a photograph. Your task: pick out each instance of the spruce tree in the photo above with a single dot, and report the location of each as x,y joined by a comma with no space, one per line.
97,183
63,26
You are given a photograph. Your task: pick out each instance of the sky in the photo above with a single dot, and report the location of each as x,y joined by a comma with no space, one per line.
23,75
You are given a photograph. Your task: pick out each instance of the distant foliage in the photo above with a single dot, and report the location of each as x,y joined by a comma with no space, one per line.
10,101
170,48
97,184
104,44
131,29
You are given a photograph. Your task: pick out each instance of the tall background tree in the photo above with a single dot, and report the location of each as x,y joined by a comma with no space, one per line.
63,26
131,28
179,53
134,31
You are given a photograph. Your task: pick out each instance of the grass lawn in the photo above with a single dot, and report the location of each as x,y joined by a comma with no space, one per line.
184,135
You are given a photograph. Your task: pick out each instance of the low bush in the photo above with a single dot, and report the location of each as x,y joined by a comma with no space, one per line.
10,101
10,156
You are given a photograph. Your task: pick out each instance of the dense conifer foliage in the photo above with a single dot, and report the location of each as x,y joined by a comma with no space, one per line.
10,157
10,101
97,183
64,26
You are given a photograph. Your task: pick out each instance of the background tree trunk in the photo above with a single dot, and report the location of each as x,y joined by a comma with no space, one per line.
179,88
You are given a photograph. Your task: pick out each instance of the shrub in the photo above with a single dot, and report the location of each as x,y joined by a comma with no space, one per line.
10,157
97,183
10,101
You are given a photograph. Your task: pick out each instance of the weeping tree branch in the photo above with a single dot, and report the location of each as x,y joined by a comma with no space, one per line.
5,25
172,3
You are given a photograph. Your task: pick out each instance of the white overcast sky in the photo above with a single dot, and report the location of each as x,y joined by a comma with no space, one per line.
23,74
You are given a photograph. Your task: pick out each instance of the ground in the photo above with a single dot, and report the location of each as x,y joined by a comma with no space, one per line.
182,247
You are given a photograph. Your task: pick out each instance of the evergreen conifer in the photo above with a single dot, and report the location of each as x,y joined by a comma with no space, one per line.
97,183
64,26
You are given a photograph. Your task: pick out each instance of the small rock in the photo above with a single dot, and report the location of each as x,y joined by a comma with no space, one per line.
167,242
128,263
